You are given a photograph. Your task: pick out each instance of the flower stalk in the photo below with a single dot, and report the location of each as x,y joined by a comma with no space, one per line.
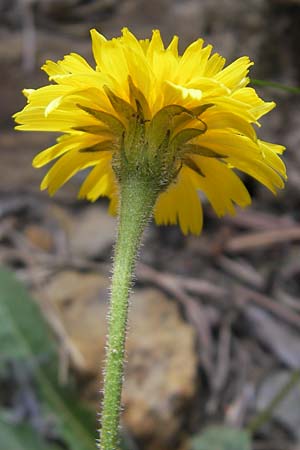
137,198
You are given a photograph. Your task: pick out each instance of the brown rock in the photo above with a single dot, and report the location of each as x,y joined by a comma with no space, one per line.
92,232
79,302
161,362
161,370
40,237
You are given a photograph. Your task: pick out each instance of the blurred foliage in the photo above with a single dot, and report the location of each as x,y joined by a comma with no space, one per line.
272,84
38,413
37,410
20,437
222,438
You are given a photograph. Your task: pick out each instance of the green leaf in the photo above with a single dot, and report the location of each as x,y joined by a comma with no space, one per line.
164,118
105,146
189,115
192,165
198,110
222,438
120,106
162,123
137,96
94,129
186,135
20,437
272,84
25,335
202,151
22,330
114,124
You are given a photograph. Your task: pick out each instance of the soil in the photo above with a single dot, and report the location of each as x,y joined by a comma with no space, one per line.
217,316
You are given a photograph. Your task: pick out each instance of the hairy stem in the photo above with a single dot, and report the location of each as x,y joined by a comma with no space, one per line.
138,196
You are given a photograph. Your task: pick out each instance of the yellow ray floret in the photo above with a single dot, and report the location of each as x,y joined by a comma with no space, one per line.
188,118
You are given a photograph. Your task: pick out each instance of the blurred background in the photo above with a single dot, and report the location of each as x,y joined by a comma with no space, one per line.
214,334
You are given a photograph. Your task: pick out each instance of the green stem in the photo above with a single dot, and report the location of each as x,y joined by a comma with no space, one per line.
265,415
138,197
273,84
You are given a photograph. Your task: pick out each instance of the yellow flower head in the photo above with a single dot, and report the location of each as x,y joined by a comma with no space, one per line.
183,119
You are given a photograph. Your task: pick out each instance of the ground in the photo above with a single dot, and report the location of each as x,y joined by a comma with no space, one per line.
215,320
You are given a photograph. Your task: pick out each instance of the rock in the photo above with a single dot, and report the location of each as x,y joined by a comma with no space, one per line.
40,237
79,301
161,371
93,232
161,368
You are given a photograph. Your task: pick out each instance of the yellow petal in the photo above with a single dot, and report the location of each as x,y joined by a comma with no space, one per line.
233,105
243,154
270,154
67,166
155,45
100,181
97,45
180,203
130,42
220,184
214,65
65,144
260,170
224,120
256,105
60,120
45,95
72,63
228,143
173,46
193,62
234,75
177,94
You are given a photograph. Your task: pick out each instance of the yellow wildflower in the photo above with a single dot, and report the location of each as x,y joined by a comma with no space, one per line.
183,118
